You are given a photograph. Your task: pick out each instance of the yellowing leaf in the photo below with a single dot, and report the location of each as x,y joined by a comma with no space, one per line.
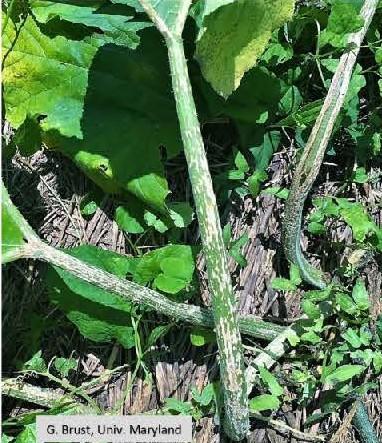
109,108
233,36
45,76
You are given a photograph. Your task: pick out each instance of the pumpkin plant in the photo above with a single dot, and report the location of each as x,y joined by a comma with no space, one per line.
106,83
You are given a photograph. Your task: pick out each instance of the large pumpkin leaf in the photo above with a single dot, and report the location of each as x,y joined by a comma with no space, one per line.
233,35
128,113
45,76
107,107
99,315
117,29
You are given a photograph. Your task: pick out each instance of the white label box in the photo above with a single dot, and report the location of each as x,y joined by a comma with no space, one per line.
114,429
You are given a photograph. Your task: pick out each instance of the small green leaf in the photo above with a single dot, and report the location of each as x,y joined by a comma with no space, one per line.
352,337
241,163
175,405
377,361
227,234
254,182
344,373
346,303
355,216
181,214
262,153
310,337
293,338
277,53
326,205
271,382
127,222
330,64
236,247
168,284
283,284
360,175
303,117
318,295
88,207
152,220
290,101
170,268
196,396
235,174
277,191
294,274
365,355
360,295
206,396
365,335
376,138
264,402
156,334
310,309
64,365
36,363
201,337
316,228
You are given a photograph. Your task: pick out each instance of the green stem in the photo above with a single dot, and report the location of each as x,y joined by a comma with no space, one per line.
307,171
311,160
147,297
48,398
140,295
219,279
236,420
362,423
